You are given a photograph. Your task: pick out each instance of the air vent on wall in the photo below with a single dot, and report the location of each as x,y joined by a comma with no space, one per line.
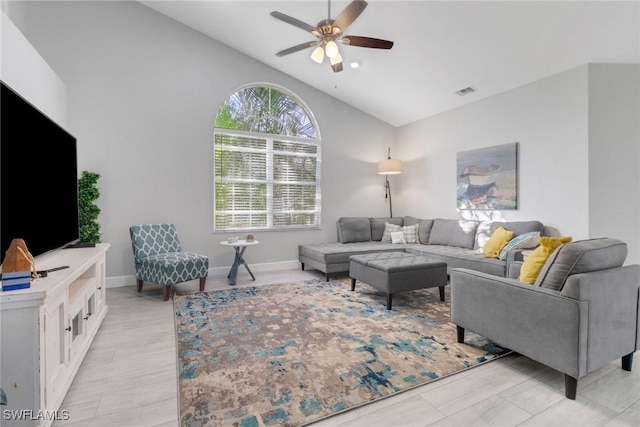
466,91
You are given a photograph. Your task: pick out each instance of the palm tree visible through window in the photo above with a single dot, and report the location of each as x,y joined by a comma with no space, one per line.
266,162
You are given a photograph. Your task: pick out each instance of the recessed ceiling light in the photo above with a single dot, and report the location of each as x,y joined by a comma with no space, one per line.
354,64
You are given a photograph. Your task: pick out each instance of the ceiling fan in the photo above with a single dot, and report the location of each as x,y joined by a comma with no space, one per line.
329,31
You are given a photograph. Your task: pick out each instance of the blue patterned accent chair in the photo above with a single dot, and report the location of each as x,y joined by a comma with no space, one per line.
159,258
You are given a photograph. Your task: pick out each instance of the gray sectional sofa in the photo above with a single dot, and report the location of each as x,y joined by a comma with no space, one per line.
450,240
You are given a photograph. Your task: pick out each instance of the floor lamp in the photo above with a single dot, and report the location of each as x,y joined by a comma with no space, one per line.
389,167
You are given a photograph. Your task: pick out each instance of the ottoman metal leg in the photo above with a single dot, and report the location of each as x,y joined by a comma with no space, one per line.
389,300
441,288
353,284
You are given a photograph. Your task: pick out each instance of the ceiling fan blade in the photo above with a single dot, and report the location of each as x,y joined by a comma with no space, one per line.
295,22
367,42
349,14
297,48
337,67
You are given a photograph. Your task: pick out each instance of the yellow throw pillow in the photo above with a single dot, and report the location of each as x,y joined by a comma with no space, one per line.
532,266
498,240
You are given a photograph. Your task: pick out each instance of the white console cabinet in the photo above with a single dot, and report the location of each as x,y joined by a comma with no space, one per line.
45,332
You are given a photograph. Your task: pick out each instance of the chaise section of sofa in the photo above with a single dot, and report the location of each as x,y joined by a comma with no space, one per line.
455,242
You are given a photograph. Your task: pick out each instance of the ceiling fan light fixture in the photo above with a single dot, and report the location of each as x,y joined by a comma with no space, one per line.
318,55
336,59
332,49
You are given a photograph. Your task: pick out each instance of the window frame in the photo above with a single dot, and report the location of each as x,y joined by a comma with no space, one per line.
270,153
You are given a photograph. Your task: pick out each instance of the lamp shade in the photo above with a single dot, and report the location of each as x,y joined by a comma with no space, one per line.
318,54
389,167
331,49
336,59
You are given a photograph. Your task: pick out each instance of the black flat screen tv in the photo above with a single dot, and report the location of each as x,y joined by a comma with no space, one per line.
38,178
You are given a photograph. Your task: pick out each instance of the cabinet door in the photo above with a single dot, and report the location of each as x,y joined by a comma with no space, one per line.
101,288
78,333
56,336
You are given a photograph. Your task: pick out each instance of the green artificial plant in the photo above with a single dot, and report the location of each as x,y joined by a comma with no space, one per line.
88,213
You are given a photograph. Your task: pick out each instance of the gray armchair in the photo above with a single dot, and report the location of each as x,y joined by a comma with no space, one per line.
581,314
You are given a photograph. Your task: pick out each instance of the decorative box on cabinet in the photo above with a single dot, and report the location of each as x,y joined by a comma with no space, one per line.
46,331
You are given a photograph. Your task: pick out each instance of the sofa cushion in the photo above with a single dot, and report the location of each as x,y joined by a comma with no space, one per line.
460,258
581,256
337,253
377,226
425,231
410,220
523,241
388,229
532,266
519,227
499,239
453,232
356,229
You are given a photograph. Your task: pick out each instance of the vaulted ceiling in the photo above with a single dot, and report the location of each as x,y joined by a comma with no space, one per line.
440,46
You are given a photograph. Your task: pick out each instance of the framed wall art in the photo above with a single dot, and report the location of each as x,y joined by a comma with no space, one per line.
487,178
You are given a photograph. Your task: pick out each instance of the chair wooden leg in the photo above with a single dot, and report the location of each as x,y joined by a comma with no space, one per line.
441,289
460,333
570,387
302,265
389,301
353,284
139,285
167,293
203,280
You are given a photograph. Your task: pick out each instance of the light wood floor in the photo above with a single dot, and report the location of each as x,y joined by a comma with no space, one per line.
129,379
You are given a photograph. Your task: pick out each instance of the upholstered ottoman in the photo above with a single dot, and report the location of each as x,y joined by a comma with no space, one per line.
393,272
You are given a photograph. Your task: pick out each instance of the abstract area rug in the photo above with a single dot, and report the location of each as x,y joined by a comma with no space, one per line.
294,353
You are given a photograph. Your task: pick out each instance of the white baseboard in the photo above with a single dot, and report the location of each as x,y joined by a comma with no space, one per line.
214,272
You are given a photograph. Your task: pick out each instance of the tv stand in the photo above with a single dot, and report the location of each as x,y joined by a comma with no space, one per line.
80,245
46,331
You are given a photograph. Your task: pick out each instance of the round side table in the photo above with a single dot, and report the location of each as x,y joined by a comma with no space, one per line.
239,246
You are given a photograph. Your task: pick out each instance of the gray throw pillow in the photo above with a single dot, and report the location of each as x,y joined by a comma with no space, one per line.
453,232
519,227
352,230
377,226
425,230
410,220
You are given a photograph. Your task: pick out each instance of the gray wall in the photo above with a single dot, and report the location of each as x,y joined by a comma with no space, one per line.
143,92
26,72
614,154
548,119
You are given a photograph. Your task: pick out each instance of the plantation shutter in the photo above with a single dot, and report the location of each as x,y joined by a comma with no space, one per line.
265,183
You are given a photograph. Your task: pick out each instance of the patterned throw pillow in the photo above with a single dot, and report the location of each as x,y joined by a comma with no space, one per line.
523,241
411,233
388,228
397,237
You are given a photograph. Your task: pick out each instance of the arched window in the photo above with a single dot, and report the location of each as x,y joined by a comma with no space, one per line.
266,162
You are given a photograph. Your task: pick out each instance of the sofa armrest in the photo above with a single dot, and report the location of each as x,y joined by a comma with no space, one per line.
612,295
513,269
536,322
